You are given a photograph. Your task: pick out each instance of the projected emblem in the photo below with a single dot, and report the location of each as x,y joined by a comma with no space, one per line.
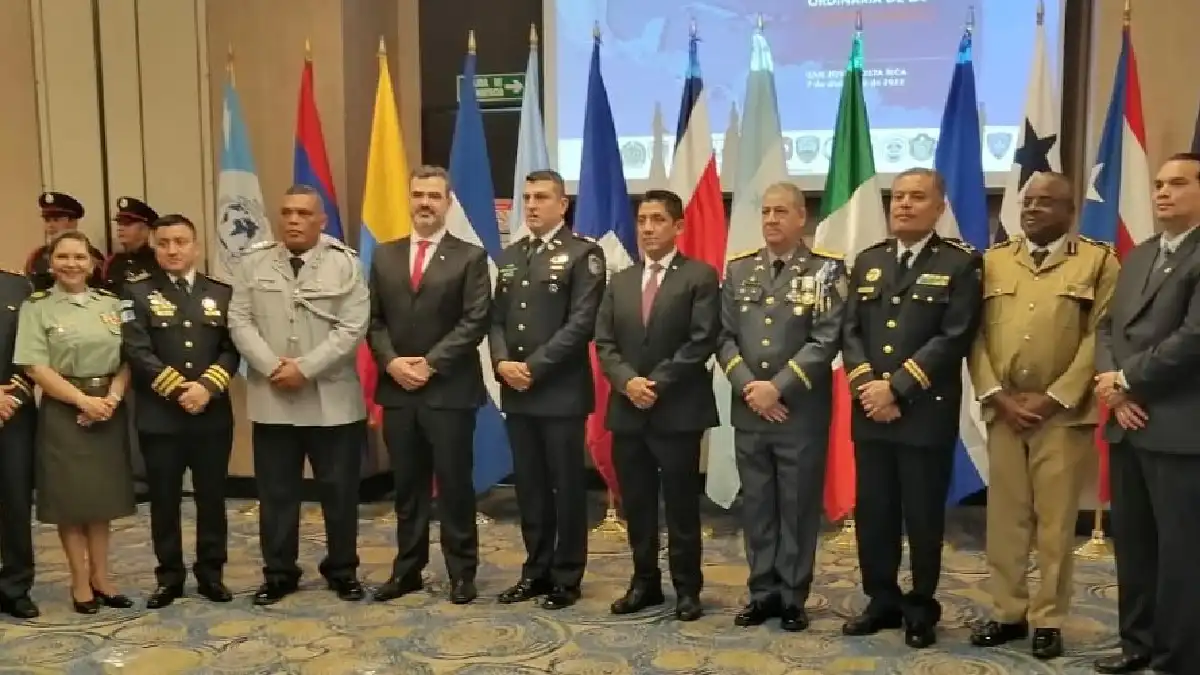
893,150
998,143
827,149
922,147
807,148
633,154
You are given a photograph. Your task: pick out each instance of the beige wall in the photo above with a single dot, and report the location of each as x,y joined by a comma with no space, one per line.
20,151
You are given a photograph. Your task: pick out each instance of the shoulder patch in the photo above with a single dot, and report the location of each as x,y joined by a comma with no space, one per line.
826,253
742,254
38,295
1095,242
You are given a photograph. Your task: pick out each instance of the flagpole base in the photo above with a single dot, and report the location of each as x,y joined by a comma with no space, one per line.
845,542
612,525
1096,548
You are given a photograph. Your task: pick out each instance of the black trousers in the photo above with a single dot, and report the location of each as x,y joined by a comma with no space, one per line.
551,494
1156,538
424,443
335,453
167,456
644,462
901,490
16,503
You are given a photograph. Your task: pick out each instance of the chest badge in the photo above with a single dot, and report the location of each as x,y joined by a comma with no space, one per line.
210,307
873,274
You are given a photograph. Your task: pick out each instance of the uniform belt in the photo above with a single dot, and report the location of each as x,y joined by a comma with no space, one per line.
97,381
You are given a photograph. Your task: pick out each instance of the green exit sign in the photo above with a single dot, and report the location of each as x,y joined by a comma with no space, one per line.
496,88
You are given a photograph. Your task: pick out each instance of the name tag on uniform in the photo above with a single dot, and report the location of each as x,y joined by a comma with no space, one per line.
934,280
866,289
508,271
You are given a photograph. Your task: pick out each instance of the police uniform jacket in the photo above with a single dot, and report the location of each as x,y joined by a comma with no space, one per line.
14,290
1038,332
129,267
785,329
37,268
544,316
914,329
169,339
318,317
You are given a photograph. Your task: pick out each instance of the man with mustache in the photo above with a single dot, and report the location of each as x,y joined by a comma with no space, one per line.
1032,366
299,311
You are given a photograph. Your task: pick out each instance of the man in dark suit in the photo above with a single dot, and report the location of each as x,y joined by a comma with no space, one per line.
430,299
1147,355
656,329
18,423
913,309
547,294
182,358
781,319
60,211
137,259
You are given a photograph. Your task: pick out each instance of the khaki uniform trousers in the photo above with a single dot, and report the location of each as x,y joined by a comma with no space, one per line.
1033,502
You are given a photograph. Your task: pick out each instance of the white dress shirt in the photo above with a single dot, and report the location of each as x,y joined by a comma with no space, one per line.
1050,248
916,248
433,239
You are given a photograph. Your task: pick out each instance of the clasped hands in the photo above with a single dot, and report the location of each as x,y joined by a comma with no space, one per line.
94,409
1128,414
762,397
410,372
8,402
515,374
640,390
1023,411
878,401
287,375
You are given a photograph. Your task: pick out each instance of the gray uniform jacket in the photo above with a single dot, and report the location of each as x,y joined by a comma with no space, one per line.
318,317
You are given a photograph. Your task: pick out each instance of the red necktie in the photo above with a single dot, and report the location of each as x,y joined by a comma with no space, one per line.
418,270
649,292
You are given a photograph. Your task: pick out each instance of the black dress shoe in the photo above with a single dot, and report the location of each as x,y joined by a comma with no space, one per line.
868,623
793,619
164,596
462,591
115,601
214,591
525,589
395,588
1122,663
20,607
920,636
995,633
272,592
688,608
86,607
1047,643
756,613
350,590
561,597
637,598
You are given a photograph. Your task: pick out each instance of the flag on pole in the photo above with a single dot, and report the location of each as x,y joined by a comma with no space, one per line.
729,150
1038,140
960,161
472,218
694,172
241,218
851,220
657,178
1118,209
385,209
532,154
759,163
602,211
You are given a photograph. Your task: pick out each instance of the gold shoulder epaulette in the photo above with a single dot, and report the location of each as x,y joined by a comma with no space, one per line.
1004,243
742,254
825,253
959,244
38,295
880,244
584,237
260,246
216,282
1096,242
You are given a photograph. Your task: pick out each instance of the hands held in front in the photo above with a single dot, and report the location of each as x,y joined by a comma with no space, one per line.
287,375
1128,414
763,399
195,397
515,374
411,372
641,391
8,403
1024,411
878,401
94,409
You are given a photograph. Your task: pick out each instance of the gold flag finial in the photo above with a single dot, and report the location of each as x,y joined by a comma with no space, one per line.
1041,12
229,63
533,38
307,50
858,21
1128,11
759,24
471,41
596,30
382,52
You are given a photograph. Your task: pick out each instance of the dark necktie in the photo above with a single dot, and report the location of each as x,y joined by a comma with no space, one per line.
297,262
777,267
1039,256
182,284
534,245
1164,257
905,259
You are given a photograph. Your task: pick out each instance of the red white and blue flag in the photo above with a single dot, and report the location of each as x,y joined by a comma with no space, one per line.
1118,209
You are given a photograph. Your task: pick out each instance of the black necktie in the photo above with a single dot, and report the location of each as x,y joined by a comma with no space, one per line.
905,258
534,245
1164,257
776,268
1039,256
297,262
182,284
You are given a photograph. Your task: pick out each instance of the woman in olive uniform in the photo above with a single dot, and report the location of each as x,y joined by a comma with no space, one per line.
69,342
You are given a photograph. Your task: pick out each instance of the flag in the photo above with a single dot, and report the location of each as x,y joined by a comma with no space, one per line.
310,166
241,218
1118,208
657,178
1038,146
694,173
759,163
960,161
602,211
472,218
532,154
1196,134
385,210
729,150
851,219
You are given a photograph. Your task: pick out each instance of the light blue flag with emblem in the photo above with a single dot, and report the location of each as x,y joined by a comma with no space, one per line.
532,154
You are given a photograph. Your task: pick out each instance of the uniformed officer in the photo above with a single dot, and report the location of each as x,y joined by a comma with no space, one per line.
18,417
60,212
136,260
1032,366
182,359
781,317
547,294
913,308
299,312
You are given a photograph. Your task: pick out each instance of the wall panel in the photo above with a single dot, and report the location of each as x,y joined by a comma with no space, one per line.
20,151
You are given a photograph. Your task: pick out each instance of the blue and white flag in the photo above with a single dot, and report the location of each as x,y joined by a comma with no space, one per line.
960,161
241,217
532,154
472,218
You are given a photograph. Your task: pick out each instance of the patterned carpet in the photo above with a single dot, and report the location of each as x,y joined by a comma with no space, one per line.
311,633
